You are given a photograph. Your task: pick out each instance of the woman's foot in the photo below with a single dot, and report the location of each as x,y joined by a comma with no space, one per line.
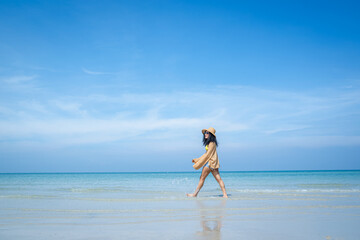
225,196
190,195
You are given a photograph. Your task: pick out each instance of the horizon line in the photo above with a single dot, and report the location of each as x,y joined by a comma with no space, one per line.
313,170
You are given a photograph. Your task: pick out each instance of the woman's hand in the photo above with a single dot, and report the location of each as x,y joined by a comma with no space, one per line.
193,160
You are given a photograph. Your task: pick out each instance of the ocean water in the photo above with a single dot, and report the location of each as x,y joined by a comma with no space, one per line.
261,205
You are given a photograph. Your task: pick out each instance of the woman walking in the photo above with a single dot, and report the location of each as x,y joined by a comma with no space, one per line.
209,160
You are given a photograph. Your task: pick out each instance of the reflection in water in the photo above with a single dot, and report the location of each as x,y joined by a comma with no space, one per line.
211,218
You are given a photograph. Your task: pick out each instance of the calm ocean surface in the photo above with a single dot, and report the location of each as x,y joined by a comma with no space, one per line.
130,205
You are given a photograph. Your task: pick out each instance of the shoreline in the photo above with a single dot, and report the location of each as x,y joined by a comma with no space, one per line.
195,171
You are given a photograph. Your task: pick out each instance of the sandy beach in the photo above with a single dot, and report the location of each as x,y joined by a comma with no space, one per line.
78,209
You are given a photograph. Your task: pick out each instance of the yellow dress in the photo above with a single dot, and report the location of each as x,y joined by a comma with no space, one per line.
206,147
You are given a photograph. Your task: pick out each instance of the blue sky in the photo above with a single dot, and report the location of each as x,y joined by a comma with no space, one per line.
128,85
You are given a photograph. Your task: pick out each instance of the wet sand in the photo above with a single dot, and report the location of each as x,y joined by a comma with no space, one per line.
97,207
302,217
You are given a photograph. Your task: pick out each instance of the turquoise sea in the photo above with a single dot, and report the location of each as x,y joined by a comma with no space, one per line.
261,205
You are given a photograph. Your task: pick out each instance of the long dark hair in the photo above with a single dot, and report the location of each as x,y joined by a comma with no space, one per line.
211,138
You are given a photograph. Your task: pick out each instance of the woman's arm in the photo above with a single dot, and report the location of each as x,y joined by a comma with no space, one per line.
199,162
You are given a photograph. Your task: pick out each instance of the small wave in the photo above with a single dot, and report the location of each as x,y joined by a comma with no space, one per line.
182,210
29,196
297,190
89,190
324,185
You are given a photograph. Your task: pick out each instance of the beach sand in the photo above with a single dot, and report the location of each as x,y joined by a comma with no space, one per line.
104,213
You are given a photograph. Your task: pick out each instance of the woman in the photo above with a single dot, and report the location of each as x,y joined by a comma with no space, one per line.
209,160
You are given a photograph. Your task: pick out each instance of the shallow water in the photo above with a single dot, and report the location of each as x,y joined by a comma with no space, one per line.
271,205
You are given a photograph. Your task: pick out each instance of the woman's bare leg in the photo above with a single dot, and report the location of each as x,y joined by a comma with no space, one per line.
216,175
204,174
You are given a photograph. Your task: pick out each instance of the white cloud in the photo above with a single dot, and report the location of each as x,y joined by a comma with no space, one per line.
19,84
34,106
18,79
71,107
318,141
285,129
94,73
79,131
260,115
